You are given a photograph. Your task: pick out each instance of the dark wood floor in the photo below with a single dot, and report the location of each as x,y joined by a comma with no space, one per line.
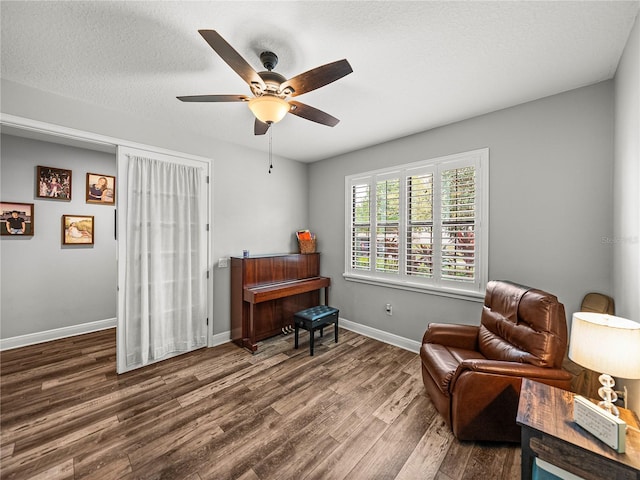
355,410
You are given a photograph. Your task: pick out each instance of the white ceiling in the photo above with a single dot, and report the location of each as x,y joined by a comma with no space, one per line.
417,65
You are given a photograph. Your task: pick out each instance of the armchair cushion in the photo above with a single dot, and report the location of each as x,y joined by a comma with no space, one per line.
521,324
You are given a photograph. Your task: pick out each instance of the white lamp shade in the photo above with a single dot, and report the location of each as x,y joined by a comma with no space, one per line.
269,108
606,344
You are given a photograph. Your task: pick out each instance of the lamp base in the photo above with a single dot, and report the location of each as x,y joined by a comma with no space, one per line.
608,394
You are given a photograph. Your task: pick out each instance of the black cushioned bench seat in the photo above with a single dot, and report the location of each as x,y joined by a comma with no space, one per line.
315,318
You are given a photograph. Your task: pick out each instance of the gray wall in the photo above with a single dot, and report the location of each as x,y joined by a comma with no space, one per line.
626,212
47,285
550,205
252,209
550,199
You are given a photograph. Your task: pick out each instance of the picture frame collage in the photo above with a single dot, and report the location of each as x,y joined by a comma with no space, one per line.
18,218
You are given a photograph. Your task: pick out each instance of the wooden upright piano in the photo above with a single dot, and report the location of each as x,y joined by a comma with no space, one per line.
267,290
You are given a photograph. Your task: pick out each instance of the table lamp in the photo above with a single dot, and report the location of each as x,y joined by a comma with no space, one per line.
608,344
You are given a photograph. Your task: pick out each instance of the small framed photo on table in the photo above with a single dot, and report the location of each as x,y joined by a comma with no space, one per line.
16,218
101,189
54,183
77,230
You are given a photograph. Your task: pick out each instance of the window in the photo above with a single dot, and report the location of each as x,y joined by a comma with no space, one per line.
421,226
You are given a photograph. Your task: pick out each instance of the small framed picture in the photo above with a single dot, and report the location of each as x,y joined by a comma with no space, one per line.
77,229
54,183
17,218
101,189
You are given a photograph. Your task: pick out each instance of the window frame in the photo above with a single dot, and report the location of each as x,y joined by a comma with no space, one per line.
468,290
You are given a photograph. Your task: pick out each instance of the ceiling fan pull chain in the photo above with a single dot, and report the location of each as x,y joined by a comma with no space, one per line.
270,151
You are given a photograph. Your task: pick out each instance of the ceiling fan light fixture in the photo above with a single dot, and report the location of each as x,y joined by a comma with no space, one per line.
269,108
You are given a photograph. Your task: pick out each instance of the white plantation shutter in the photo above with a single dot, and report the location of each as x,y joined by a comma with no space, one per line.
419,251
387,225
360,226
428,219
458,201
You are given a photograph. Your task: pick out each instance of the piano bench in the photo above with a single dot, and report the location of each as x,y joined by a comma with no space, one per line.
315,318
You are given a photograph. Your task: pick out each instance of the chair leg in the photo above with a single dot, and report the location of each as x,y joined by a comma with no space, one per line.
311,335
335,330
295,343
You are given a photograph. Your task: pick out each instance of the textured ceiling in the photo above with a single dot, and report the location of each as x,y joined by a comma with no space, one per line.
417,65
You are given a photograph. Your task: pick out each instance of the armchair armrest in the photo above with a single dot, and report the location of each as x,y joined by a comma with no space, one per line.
452,335
511,369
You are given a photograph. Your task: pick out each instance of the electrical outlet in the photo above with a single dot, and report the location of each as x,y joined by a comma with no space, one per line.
389,309
223,262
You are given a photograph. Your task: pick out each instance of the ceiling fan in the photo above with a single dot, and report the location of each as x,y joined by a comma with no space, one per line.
270,89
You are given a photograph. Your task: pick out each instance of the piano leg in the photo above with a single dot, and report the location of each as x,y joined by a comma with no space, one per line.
251,344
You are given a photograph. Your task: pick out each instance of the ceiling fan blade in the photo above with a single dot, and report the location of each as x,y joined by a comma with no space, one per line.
232,57
317,77
260,128
313,114
214,98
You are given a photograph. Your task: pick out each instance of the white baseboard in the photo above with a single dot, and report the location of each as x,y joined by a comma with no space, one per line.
55,334
217,339
220,338
381,335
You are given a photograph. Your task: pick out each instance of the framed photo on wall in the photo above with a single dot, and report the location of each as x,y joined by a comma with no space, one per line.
53,183
77,230
101,189
17,218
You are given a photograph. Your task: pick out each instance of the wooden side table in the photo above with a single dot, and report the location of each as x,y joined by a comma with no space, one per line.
549,433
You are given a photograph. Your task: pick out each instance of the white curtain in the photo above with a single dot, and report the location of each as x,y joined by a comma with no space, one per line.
165,305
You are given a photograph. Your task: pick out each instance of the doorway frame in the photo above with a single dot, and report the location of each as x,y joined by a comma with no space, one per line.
49,132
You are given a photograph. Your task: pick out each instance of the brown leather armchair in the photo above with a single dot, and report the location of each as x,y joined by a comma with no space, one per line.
473,373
